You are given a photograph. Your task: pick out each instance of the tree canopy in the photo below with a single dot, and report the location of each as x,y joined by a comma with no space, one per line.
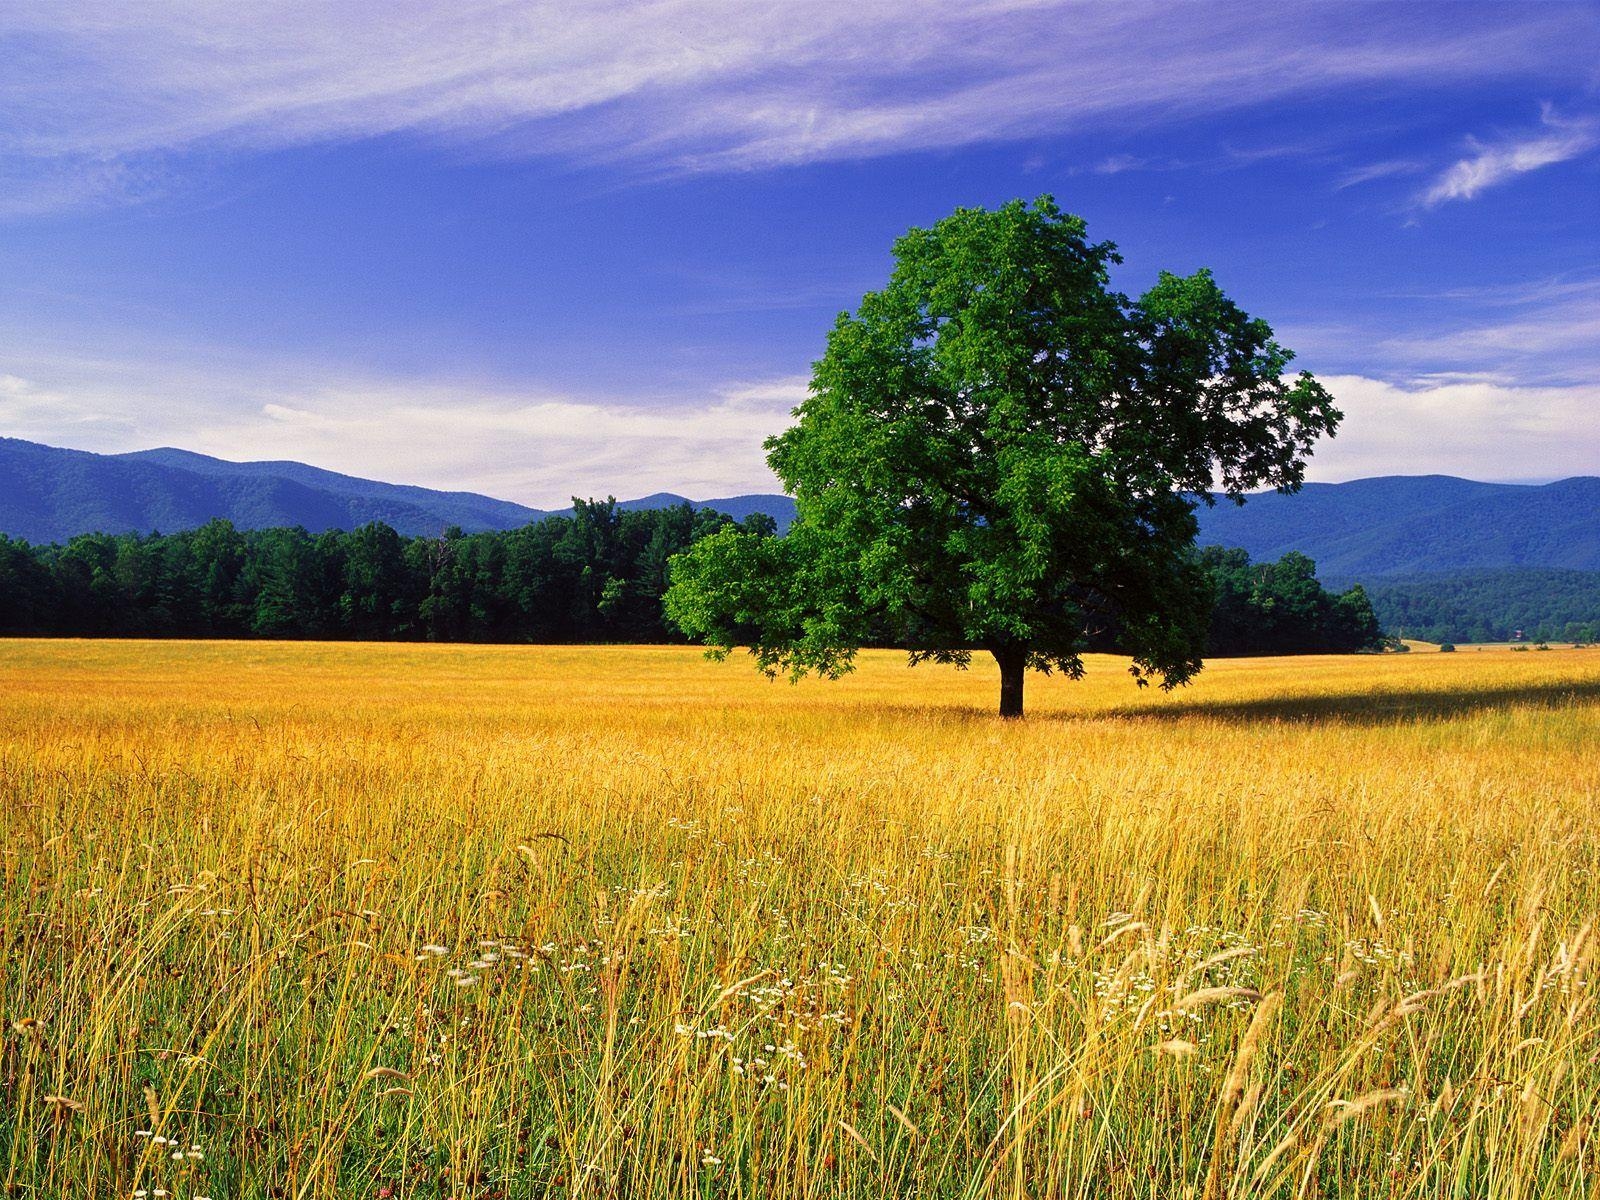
1281,608
1001,453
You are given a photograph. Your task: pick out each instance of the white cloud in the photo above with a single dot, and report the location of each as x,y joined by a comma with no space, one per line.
1536,333
1476,428
1116,164
1489,165
1378,170
523,444
540,447
95,85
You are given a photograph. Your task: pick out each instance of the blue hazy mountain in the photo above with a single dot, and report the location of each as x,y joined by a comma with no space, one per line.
1399,525
49,495
1418,524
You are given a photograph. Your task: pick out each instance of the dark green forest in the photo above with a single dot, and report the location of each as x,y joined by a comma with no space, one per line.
1280,608
1492,606
597,576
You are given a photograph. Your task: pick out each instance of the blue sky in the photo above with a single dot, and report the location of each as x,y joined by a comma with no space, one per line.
538,250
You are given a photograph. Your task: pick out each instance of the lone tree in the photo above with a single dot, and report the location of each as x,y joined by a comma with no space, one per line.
1000,453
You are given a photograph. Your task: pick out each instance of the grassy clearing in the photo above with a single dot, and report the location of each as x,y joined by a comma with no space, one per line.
335,920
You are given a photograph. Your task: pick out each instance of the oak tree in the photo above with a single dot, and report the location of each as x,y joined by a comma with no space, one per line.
1001,453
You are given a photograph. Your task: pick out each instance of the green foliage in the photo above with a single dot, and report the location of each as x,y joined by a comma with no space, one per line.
1280,608
594,577
1000,453
599,576
1491,606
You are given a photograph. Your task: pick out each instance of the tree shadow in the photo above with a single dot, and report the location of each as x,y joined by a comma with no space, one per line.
1376,707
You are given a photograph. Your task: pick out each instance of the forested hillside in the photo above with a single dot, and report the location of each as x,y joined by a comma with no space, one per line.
1492,606
1364,530
49,494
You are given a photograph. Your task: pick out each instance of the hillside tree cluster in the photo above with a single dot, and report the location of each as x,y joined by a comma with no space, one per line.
1540,605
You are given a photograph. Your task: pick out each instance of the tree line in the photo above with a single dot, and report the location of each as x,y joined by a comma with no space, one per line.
1493,606
596,576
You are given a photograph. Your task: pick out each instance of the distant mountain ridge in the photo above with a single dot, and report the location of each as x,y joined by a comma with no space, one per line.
1368,529
49,494
1402,525
357,500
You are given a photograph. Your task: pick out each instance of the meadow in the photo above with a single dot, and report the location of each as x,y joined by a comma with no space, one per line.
316,920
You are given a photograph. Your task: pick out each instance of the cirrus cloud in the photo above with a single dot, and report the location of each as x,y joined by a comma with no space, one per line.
99,92
1491,165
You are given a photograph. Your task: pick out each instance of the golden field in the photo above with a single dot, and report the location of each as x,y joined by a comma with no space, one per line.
306,920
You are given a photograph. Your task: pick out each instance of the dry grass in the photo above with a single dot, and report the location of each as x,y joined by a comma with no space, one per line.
311,920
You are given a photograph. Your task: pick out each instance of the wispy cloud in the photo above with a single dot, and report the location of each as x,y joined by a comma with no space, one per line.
1488,165
1116,164
696,84
1559,329
1533,333
1542,332
35,187
1378,170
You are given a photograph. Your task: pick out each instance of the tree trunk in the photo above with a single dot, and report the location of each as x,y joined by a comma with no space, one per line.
1013,662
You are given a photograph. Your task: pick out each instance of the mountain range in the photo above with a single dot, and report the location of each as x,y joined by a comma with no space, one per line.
1409,525
1367,529
48,494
